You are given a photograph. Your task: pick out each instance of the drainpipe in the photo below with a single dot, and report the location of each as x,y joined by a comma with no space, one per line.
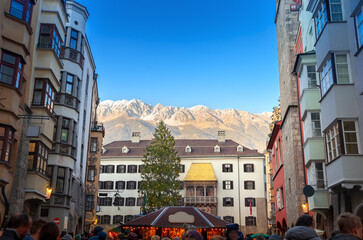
6,206
239,195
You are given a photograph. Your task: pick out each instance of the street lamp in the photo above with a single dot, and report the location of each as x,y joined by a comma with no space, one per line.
305,207
48,192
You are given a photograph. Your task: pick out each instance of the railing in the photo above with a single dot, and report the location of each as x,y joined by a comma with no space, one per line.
72,55
65,149
67,100
98,127
205,200
61,200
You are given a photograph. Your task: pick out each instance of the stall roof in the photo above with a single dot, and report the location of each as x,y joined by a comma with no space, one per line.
177,217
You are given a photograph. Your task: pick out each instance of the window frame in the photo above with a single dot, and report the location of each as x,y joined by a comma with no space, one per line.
357,25
228,185
130,202
54,42
89,202
65,128
312,83
247,202
230,200
72,38
120,167
39,157
130,167
105,219
251,221
27,12
320,182
6,143
227,167
94,143
131,185
69,83
116,219
246,185
314,129
17,67
59,189
90,176
47,93
249,166
122,183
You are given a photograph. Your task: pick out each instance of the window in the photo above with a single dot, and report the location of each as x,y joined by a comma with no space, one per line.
249,184
69,84
118,219
91,173
315,121
250,221
94,144
105,185
332,139
131,185
89,202
140,201
121,169
44,212
105,201
130,201
248,167
49,38
350,137
132,169
339,63
105,219
336,10
49,171
229,219
321,18
227,168
182,169
140,168
74,39
311,72
11,69
359,21
128,218
60,180
38,157
43,93
120,185
250,202
6,142
65,129
319,171
119,201
109,169
228,202
227,185
22,9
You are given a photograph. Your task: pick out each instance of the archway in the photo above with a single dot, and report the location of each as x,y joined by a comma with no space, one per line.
79,226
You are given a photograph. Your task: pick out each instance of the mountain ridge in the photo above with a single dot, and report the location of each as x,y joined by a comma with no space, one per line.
123,117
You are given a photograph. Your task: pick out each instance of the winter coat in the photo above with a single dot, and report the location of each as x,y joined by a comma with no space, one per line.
342,236
302,233
10,234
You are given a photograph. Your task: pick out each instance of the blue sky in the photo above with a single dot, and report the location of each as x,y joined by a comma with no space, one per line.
217,53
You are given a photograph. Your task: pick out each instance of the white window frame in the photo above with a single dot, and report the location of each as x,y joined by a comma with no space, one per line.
336,68
331,13
356,134
316,175
313,126
310,79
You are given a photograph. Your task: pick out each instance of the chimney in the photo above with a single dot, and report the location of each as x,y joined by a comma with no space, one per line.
221,136
135,137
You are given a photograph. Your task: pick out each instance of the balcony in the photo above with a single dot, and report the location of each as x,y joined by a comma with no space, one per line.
346,170
200,200
72,55
64,149
67,100
60,200
319,200
309,101
314,150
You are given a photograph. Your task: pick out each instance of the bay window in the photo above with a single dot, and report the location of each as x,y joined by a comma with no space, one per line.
38,157
69,84
335,10
49,38
6,142
334,71
74,39
315,122
60,180
341,138
22,9
11,69
359,24
321,18
43,94
319,175
65,129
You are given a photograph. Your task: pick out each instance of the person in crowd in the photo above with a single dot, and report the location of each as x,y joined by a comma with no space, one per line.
67,237
63,233
193,235
260,237
17,227
275,237
176,238
155,237
166,238
303,230
102,235
350,227
35,229
95,232
217,237
78,237
132,236
233,232
50,231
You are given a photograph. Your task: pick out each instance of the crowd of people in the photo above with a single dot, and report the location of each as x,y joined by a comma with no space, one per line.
21,227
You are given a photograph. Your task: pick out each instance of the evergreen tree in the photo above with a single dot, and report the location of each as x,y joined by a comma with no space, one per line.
160,171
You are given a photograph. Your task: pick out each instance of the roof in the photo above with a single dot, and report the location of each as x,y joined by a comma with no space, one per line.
200,147
274,133
177,217
201,172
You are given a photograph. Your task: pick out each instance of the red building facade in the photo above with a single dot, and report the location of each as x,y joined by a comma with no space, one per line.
275,150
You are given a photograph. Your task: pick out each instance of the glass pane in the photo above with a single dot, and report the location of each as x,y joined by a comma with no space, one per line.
74,34
2,131
6,74
342,69
69,88
64,136
337,17
39,84
351,148
341,58
61,172
350,137
9,58
360,17
45,29
31,147
349,126
7,152
17,9
44,41
30,161
343,78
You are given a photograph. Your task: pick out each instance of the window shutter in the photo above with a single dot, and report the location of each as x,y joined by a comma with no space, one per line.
253,183
253,167
223,167
224,184
231,202
231,167
112,185
113,168
244,167
224,201
245,183
231,184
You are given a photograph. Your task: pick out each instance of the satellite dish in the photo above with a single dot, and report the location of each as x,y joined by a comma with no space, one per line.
308,191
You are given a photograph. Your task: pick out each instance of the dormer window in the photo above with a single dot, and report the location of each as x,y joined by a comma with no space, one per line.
240,148
217,149
125,149
188,149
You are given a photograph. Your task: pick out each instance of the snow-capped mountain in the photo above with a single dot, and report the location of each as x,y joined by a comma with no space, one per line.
121,118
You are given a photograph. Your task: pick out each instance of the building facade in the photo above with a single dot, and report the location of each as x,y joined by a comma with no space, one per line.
287,27
219,176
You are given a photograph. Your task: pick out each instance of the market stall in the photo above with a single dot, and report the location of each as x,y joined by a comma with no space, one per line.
172,222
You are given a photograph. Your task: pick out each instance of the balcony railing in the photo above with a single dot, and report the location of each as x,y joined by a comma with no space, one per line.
200,200
67,100
64,149
98,127
72,55
61,200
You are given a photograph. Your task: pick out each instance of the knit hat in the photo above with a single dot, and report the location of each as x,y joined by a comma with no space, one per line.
132,236
195,234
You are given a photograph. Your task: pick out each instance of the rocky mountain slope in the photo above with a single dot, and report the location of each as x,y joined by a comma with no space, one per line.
121,118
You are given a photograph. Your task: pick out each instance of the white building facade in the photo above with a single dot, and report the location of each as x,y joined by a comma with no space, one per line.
219,176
